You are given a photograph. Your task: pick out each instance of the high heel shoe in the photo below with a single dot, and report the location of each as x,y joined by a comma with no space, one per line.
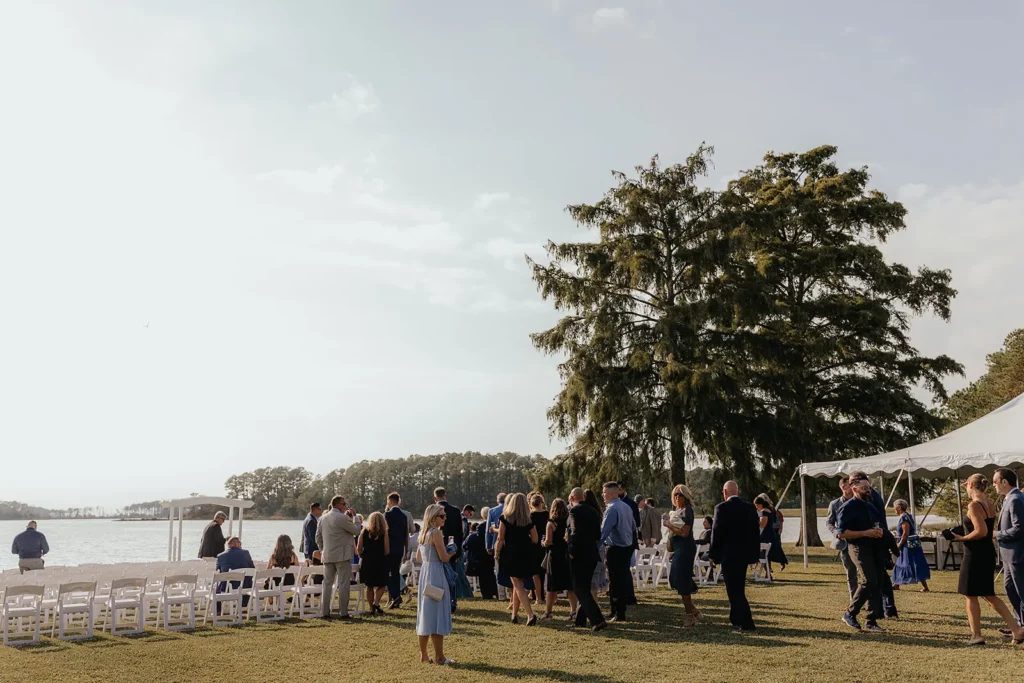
532,621
515,620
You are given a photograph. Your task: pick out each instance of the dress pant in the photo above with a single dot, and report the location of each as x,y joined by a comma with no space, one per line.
887,603
851,570
582,576
28,564
393,565
317,580
340,572
868,589
735,575
1013,582
488,581
620,580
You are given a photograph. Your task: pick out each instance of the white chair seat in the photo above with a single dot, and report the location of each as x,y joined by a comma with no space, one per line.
21,611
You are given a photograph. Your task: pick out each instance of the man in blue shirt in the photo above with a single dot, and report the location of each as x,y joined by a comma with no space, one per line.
493,515
860,524
235,558
30,546
618,530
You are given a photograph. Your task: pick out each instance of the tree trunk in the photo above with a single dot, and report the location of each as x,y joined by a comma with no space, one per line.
677,467
810,517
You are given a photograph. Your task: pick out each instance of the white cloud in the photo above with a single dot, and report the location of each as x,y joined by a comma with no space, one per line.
975,231
607,17
487,199
318,181
355,100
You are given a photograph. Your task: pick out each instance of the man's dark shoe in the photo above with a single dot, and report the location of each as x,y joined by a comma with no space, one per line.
874,628
345,617
851,621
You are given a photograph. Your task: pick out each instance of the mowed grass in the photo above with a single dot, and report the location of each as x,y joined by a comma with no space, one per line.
799,638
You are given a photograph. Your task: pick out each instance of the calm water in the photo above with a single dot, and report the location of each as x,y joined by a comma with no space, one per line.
80,541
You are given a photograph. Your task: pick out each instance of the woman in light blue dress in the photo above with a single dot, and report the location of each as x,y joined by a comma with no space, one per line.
433,617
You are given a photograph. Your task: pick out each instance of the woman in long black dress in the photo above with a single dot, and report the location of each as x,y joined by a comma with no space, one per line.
539,516
769,521
517,537
977,571
373,547
679,523
558,574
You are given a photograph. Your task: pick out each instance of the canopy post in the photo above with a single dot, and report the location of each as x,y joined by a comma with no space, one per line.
892,492
170,534
803,516
881,485
231,521
959,502
778,503
910,488
929,510
240,515
181,514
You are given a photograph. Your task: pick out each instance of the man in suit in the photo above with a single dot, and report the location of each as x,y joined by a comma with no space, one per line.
1010,538
735,544
860,524
618,533
452,523
584,534
235,558
839,544
650,524
398,541
308,545
30,546
212,544
335,537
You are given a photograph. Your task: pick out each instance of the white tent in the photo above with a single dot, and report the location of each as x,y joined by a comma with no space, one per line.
995,440
177,509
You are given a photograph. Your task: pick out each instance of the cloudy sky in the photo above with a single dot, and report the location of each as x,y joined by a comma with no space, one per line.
242,234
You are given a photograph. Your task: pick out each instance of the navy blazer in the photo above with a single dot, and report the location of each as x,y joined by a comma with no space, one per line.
232,559
1010,535
398,530
309,536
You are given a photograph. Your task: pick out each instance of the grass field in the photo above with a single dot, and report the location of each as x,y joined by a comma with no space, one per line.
799,638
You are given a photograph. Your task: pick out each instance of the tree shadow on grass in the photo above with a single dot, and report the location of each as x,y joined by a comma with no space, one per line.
548,674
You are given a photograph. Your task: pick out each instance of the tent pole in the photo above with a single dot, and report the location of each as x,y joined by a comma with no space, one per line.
778,503
881,485
929,511
959,502
181,515
803,516
170,533
888,501
910,487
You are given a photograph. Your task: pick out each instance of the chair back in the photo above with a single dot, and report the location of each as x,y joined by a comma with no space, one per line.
231,581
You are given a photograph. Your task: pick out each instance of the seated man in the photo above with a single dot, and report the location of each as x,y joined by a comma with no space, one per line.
235,558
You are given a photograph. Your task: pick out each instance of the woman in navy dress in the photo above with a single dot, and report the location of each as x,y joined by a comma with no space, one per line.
911,565
679,523
769,521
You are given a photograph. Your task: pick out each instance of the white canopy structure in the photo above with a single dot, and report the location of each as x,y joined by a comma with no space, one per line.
995,440
178,506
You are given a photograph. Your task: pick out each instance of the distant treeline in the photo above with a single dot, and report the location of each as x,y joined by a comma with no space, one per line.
12,509
469,478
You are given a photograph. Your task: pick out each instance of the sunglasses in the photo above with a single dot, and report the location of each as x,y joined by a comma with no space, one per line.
442,515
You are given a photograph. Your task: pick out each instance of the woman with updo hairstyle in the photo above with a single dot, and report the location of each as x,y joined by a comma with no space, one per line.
978,568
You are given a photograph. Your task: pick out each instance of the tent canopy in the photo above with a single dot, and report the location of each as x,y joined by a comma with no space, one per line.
995,440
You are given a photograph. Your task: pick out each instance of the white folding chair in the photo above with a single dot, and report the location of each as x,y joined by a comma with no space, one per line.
309,592
178,602
126,596
75,610
762,570
22,606
707,573
225,608
267,595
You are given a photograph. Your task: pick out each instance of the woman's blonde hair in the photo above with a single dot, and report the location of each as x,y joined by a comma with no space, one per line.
432,512
377,525
901,504
537,501
516,511
978,481
684,491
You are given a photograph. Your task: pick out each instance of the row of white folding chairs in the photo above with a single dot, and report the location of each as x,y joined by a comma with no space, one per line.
708,573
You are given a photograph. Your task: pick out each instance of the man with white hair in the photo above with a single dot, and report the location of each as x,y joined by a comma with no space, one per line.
213,541
30,546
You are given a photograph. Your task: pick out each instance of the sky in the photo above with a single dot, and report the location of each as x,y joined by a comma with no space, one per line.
247,234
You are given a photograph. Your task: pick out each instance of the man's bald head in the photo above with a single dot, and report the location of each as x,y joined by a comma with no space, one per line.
730,488
577,494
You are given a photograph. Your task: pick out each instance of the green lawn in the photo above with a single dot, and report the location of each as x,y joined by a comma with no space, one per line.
800,638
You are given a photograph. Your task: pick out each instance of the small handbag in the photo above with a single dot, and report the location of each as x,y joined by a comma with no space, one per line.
434,593
545,564
913,541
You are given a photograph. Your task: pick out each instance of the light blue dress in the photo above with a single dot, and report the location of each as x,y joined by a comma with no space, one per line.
433,617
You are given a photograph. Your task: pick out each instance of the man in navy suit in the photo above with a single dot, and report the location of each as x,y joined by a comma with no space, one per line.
1010,537
308,545
235,558
452,523
398,541
735,544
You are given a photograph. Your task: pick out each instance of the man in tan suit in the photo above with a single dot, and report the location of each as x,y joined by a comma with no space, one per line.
335,536
650,524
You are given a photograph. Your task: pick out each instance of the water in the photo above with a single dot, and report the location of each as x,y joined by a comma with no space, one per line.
81,541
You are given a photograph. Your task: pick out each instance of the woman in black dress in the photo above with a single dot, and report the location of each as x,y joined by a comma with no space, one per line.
977,571
539,516
373,547
558,574
679,523
768,518
514,550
